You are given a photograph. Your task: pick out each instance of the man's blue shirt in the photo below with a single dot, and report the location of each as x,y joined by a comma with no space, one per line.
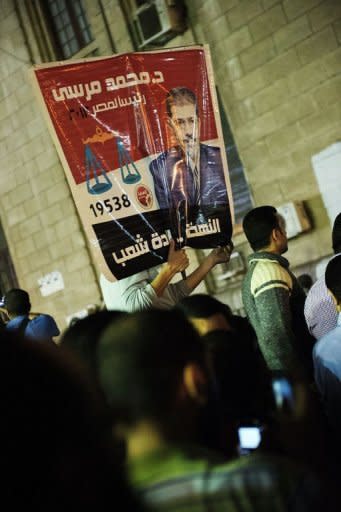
41,327
327,365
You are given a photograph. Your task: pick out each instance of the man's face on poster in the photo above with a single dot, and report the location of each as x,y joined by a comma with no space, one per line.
185,124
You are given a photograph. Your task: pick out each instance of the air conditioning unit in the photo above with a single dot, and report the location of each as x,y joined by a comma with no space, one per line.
296,218
157,21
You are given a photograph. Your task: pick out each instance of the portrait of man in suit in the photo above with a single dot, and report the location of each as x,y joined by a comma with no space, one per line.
189,174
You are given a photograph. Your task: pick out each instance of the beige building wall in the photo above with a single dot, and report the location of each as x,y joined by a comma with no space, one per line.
277,66
37,212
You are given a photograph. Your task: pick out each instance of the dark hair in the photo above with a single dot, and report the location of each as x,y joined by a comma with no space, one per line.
333,277
180,96
17,302
305,280
82,336
141,359
241,375
258,225
336,234
201,305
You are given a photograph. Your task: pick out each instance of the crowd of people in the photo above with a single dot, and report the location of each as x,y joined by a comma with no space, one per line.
181,405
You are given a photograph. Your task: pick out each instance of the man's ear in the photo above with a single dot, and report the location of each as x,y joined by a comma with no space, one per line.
195,383
276,234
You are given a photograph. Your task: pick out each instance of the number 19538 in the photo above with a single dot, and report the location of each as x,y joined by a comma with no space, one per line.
113,204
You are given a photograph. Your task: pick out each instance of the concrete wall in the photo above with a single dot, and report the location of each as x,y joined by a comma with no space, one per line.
277,65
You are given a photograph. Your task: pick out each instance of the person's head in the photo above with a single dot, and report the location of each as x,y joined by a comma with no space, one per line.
82,336
206,313
241,376
336,234
17,302
182,111
306,281
264,229
81,339
333,280
151,370
56,443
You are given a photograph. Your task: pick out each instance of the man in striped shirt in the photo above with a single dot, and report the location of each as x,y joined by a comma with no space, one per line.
272,297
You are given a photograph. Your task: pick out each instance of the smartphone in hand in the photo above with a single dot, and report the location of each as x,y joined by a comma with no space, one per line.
250,436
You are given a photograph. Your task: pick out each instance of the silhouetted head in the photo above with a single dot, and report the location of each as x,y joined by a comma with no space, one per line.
206,313
333,279
82,336
336,234
241,376
150,366
17,302
306,281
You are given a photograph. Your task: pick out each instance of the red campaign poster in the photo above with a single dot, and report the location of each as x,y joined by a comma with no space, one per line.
140,140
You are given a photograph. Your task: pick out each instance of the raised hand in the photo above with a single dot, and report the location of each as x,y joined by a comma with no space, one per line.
177,259
221,254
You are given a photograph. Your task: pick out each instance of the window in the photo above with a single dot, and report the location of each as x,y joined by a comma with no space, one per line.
69,26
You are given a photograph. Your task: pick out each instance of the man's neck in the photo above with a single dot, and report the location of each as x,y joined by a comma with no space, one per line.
271,249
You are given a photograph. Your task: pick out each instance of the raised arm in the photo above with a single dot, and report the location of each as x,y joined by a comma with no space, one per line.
143,293
177,262
218,255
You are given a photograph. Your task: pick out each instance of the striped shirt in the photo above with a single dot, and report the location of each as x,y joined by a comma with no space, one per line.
170,481
319,310
274,304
